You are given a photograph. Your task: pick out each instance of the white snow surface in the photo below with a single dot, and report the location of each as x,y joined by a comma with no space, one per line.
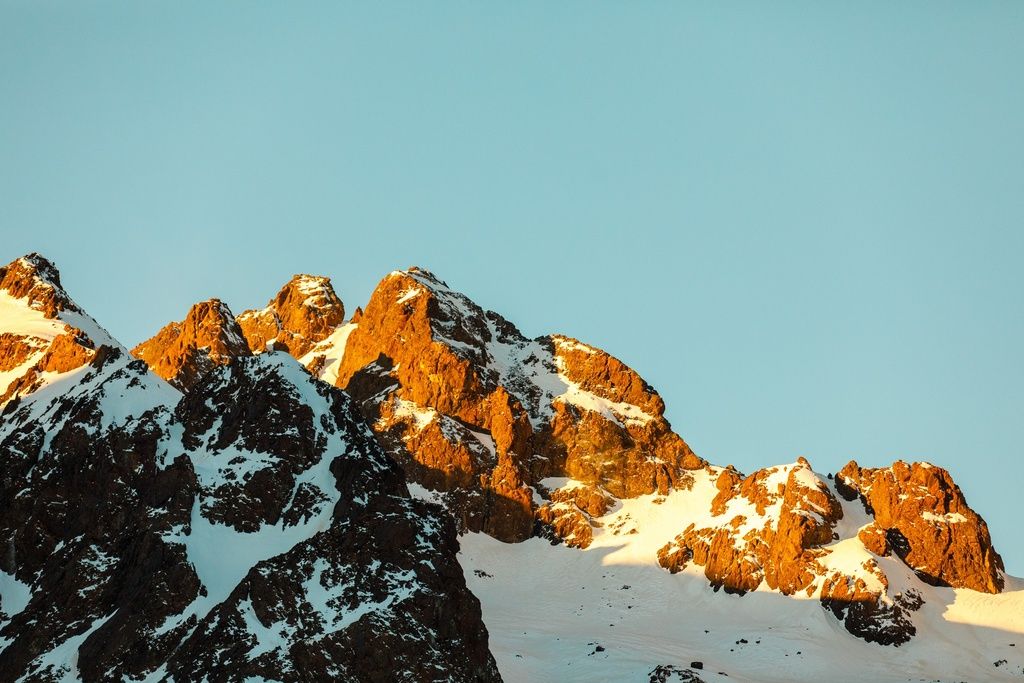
332,349
547,607
14,597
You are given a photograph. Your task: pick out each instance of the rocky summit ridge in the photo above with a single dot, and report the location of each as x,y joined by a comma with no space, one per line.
280,494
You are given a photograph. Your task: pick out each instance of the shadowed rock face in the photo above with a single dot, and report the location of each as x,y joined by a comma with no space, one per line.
253,527
921,516
183,352
305,312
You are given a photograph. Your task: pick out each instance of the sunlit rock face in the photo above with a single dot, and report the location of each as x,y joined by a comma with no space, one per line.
183,352
471,407
921,516
780,529
304,313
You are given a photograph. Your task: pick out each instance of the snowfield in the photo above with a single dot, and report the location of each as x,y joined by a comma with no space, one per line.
548,609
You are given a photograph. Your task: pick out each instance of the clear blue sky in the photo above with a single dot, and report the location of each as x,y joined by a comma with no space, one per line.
804,223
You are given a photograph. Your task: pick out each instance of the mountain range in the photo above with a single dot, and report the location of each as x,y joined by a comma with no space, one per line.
418,491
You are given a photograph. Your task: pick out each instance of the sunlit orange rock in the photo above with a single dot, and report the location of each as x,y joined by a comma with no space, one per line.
304,312
927,523
182,352
551,406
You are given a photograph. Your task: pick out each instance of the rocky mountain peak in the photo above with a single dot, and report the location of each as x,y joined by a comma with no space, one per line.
296,518
43,333
303,313
182,352
37,280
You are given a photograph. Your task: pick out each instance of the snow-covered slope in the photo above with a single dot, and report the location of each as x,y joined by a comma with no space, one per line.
610,612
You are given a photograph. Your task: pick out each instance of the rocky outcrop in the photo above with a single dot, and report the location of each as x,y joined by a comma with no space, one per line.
778,528
921,516
43,332
305,312
773,522
461,399
84,507
868,611
183,352
571,512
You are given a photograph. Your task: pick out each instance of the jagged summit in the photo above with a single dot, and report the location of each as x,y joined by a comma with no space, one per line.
303,313
922,517
461,395
182,352
36,279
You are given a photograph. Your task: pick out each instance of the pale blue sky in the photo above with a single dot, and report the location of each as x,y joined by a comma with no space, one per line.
802,223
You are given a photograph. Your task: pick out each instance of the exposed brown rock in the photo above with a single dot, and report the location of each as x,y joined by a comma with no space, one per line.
37,280
442,453
445,353
727,484
927,523
571,512
303,313
67,352
874,539
801,514
182,352
783,541
15,349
